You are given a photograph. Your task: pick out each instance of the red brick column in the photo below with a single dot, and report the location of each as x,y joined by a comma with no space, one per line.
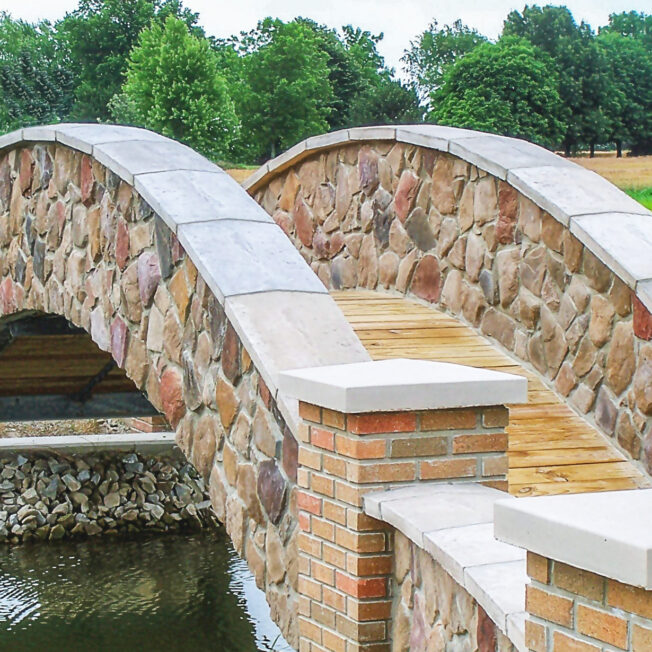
345,557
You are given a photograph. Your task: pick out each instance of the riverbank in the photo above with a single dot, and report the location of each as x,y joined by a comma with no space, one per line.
48,496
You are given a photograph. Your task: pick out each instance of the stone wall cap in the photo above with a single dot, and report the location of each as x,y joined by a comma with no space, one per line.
607,533
400,384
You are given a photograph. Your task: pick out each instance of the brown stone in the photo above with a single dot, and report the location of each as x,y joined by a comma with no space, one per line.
628,436
602,314
621,361
566,380
448,233
272,489
122,244
473,304
554,340
204,445
180,292
388,269
457,254
642,319
486,632
453,291
172,396
191,388
303,221
573,251
405,271
275,556
136,362
132,306
485,201
533,270
289,192
442,194
583,398
368,169
499,326
507,213
290,455
465,213
643,381
405,193
343,194
227,402
552,233
235,521
248,493
621,297
231,351
426,282
529,309
368,263
585,357
529,218
599,275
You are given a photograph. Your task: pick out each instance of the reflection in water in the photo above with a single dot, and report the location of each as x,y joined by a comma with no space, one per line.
170,593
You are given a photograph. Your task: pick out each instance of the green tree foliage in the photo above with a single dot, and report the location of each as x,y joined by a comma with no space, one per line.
508,88
633,24
434,51
387,102
99,35
285,94
584,82
35,83
174,87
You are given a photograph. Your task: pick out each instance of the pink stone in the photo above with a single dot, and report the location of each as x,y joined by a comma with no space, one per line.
119,341
405,194
426,282
368,170
26,167
172,396
284,221
149,276
507,213
642,319
122,245
7,297
87,180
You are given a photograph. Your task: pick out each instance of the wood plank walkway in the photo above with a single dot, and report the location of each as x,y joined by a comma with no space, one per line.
551,449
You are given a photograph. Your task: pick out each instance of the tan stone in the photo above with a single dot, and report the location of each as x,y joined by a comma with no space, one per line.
289,192
442,194
399,240
599,275
529,219
643,381
602,314
507,264
621,297
131,303
137,362
205,443
529,308
343,196
573,251
554,340
485,201
453,291
248,492
368,267
227,402
475,252
473,304
465,214
275,555
235,521
388,269
405,271
180,293
566,380
552,232
264,437
585,357
621,360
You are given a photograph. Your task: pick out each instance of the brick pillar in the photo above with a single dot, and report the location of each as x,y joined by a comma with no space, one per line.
345,557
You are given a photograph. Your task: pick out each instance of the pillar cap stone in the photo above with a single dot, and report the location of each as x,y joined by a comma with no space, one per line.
402,385
607,533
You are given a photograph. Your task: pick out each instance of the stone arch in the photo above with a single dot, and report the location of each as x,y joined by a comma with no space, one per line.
174,270
546,258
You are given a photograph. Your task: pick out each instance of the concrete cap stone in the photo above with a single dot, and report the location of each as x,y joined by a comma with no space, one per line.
607,533
400,384
11,139
243,257
570,191
622,241
197,197
84,136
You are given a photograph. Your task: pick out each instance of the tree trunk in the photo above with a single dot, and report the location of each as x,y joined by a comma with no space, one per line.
592,149
619,149
567,149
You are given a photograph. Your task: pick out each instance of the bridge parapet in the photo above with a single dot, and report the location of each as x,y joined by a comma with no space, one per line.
411,426
546,258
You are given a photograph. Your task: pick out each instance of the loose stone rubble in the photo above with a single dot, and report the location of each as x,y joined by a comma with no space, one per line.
46,498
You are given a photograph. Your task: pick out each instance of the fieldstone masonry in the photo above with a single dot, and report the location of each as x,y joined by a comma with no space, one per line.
77,241
346,559
381,214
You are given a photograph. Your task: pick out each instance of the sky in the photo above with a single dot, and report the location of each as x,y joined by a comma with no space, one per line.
400,20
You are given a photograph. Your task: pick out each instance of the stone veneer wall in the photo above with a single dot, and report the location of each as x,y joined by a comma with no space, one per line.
432,612
381,214
77,241
574,609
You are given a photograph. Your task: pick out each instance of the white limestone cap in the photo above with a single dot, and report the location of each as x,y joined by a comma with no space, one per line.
396,385
608,533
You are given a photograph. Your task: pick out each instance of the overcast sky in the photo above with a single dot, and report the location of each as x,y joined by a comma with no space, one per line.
399,20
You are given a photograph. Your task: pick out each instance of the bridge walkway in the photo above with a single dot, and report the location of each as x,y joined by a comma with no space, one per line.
552,450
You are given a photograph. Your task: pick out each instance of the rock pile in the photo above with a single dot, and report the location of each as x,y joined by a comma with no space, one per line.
53,497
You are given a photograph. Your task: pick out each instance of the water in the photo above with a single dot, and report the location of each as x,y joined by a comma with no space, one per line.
175,592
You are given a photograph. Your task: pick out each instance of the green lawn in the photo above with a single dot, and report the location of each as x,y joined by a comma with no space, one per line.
642,195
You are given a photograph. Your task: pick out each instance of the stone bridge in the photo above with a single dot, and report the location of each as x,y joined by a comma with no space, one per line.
426,243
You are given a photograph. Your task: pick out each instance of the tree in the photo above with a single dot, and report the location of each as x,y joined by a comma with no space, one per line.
631,23
35,84
582,70
99,35
631,101
435,51
174,86
508,88
286,94
387,102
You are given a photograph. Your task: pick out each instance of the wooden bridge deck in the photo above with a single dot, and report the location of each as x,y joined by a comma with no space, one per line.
551,449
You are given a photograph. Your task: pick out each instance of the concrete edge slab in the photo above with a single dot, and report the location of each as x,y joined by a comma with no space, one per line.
148,443
11,139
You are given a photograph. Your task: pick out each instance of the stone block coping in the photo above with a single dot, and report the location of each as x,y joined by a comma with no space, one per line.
139,442
599,214
400,384
273,298
606,533
454,524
